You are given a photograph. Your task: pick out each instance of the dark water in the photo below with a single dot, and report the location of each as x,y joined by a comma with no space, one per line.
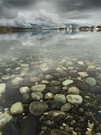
40,53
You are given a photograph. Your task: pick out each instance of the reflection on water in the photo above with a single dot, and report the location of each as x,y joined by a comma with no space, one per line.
43,57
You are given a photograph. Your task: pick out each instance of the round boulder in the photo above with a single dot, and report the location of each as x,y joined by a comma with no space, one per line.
16,108
74,99
37,108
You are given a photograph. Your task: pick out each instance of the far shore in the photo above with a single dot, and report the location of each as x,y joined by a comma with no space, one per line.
7,29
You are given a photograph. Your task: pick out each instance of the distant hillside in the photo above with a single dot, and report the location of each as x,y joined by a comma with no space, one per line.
12,29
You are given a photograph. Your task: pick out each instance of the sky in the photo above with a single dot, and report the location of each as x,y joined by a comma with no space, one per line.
23,13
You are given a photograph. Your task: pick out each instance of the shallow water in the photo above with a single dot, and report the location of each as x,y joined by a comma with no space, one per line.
40,53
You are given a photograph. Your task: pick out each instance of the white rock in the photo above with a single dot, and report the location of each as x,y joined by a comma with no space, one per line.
74,99
49,95
2,88
80,62
83,74
16,108
45,82
67,82
24,65
24,90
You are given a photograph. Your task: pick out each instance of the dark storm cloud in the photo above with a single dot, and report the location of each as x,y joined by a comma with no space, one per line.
79,4
67,4
10,8
7,10
20,2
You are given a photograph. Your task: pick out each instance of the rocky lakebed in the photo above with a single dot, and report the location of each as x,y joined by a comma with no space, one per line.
50,90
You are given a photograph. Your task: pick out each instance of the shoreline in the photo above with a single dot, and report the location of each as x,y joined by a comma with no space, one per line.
7,29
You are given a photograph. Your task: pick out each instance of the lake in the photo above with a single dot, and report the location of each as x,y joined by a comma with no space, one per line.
52,78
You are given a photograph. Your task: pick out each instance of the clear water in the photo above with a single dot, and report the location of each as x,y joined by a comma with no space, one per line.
43,52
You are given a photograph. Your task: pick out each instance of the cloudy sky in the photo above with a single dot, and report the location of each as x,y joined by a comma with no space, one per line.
53,13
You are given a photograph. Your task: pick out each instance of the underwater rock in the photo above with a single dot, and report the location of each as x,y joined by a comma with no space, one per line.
10,129
29,126
16,108
74,99
37,108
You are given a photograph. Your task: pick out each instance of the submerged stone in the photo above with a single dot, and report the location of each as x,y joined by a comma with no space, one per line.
29,126
58,132
91,81
74,99
2,88
10,129
38,88
16,108
37,108
67,82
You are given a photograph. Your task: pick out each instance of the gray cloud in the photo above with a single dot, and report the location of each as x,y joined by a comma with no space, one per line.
7,10
78,4
68,4
20,2
10,9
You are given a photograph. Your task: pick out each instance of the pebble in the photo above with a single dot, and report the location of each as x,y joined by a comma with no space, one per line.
44,68
45,82
17,81
49,95
92,72
2,88
83,74
37,95
67,82
24,90
61,71
54,89
24,65
54,113
60,98
37,108
5,77
5,118
66,107
38,88
16,108
74,99
58,132
48,77
82,86
91,81
73,90
35,79
91,66
54,83
80,62
73,73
